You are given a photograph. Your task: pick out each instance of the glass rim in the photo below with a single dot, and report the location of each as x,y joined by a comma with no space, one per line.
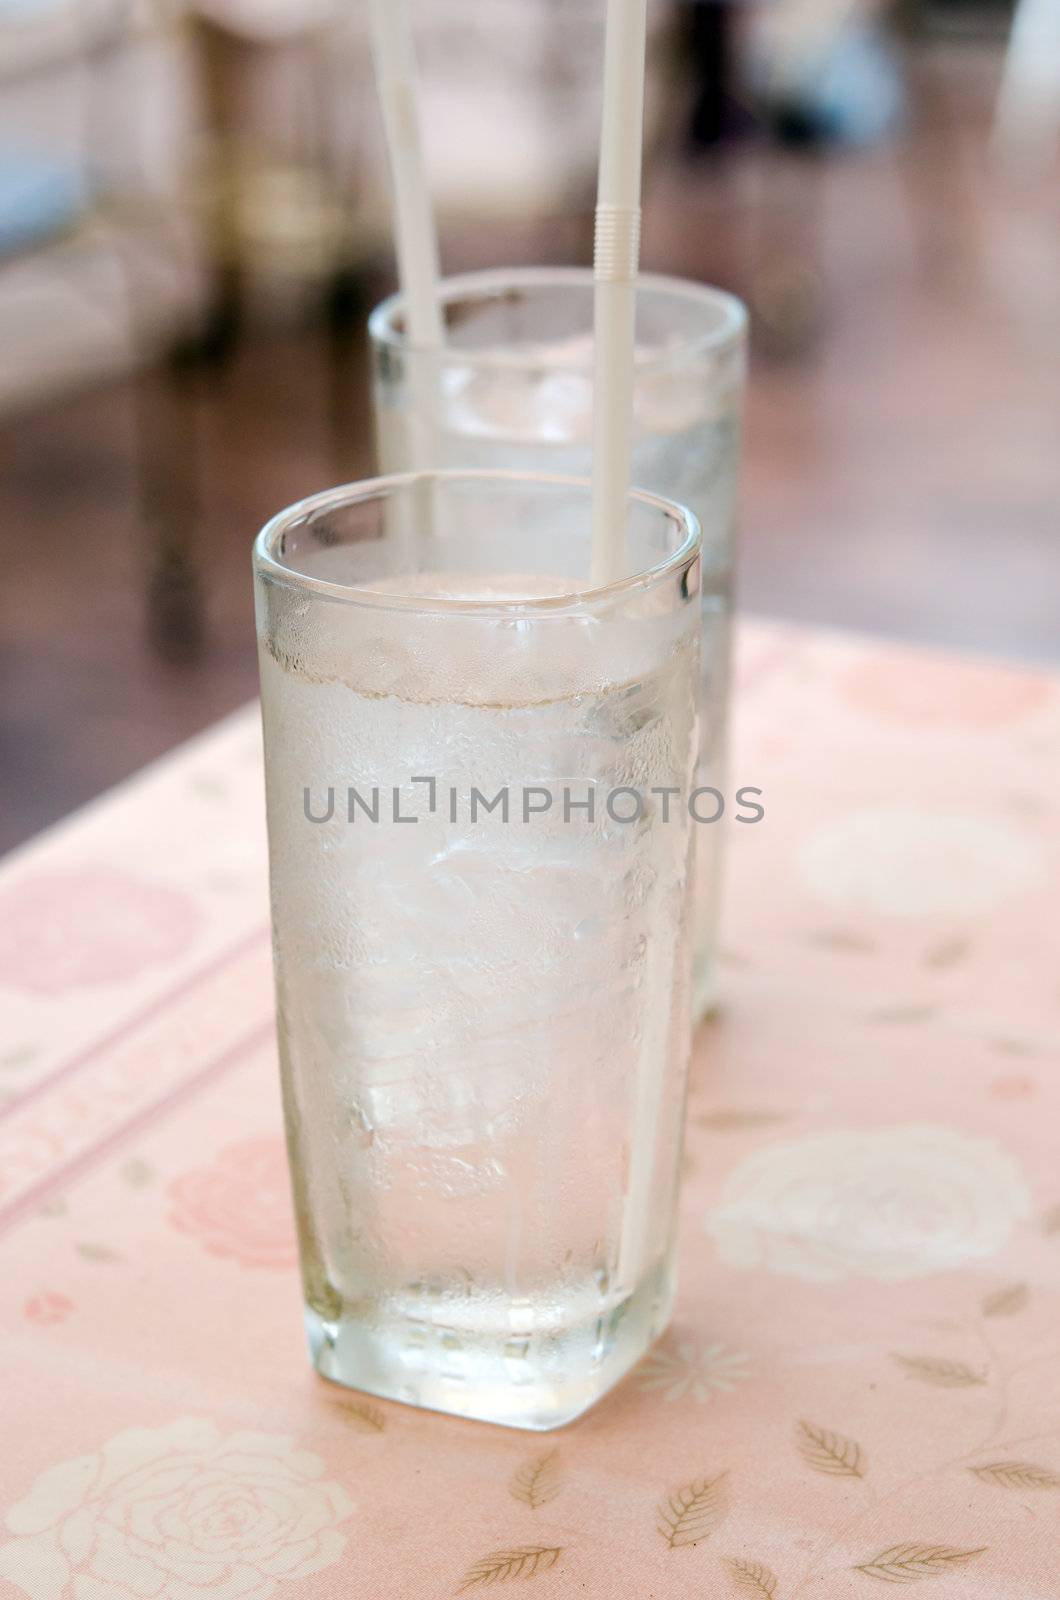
731,328
268,564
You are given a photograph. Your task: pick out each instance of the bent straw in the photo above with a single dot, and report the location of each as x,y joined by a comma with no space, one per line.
616,249
416,238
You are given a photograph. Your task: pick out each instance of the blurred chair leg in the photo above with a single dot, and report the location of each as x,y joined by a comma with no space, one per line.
933,166
167,427
164,394
344,317
787,293
221,325
169,392
711,47
222,61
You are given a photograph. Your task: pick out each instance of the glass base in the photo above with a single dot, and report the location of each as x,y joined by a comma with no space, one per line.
536,1379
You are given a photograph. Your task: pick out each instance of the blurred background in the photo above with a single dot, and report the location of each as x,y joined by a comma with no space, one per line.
194,224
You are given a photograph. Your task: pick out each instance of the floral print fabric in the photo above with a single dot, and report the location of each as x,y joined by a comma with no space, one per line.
861,1385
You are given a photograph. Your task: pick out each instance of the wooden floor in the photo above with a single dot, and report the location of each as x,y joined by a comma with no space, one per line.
902,463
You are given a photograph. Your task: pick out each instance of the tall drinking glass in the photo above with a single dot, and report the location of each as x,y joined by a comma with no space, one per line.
512,389
477,772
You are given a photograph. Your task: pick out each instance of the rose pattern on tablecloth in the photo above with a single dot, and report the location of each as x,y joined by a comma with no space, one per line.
888,1203
175,1513
680,1367
1012,1086
901,861
47,1308
240,1205
81,927
925,693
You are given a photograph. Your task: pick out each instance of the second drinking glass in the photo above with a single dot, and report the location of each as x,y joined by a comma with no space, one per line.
512,389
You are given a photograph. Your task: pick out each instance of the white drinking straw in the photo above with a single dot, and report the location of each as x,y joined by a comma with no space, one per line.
416,237
615,256
416,247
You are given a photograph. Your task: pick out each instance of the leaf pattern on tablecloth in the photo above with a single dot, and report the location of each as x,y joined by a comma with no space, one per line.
751,1577
915,1011
1008,1046
537,1481
692,1512
844,940
947,953
1017,1475
1006,1302
738,1119
12,1060
501,1566
829,1452
90,1251
360,1415
908,1563
939,1371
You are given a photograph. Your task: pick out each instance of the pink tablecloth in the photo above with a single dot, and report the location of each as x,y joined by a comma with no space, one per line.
862,1385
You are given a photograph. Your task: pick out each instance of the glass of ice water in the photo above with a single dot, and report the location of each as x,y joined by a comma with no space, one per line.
513,389
477,769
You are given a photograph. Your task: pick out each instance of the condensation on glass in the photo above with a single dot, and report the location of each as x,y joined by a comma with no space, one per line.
512,388
483,1018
